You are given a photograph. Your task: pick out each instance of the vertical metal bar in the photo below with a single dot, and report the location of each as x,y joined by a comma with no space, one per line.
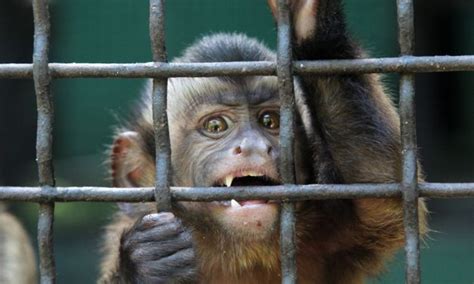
408,133
46,243
287,117
44,138
160,117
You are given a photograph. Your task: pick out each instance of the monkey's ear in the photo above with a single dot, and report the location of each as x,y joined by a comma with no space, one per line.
304,16
130,165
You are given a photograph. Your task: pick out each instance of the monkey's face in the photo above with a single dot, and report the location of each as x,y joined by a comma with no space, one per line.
223,134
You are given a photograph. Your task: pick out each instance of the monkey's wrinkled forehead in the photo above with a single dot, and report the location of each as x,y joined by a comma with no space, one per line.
188,94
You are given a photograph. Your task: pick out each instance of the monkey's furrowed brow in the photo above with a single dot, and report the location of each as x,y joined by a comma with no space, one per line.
230,98
262,96
244,98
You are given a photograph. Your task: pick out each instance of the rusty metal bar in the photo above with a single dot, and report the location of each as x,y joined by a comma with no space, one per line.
46,243
287,122
446,190
281,192
406,36
44,138
160,117
410,64
409,179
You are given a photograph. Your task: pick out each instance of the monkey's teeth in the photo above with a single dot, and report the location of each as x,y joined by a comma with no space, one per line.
234,203
228,180
252,174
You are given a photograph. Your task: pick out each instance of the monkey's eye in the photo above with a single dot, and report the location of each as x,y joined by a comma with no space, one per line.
270,120
215,125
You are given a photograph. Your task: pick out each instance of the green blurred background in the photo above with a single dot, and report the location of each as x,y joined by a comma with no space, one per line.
117,31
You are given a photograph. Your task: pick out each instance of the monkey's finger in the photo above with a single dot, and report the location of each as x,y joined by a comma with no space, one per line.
179,267
155,234
159,272
182,261
149,251
152,220
158,234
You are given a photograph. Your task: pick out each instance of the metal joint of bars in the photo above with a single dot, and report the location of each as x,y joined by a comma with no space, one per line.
409,189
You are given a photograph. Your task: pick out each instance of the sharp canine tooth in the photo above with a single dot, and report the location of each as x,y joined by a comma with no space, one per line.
228,180
234,203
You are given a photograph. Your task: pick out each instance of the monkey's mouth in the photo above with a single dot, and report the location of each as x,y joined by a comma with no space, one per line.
248,218
252,179
247,181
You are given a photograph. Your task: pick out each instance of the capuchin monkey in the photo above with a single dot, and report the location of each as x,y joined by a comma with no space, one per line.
17,260
224,131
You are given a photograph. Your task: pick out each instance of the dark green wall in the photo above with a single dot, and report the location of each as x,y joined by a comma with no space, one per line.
117,31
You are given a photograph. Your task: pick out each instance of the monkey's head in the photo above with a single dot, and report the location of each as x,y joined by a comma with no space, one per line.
224,132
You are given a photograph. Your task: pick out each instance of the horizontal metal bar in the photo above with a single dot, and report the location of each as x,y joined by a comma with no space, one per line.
285,193
446,190
410,64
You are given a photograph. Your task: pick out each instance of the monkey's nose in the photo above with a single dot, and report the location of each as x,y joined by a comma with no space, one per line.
253,146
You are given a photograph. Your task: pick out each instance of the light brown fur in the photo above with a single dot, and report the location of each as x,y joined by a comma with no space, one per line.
17,260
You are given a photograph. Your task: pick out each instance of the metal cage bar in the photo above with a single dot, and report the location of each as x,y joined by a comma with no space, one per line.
44,138
160,117
410,64
408,185
287,121
281,192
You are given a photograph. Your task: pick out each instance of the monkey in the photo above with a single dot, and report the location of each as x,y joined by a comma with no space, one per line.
17,259
224,131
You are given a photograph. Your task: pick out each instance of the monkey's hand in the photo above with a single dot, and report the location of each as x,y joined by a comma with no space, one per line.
304,16
319,28
158,249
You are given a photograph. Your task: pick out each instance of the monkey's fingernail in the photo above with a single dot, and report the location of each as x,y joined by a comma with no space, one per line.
228,180
234,203
157,218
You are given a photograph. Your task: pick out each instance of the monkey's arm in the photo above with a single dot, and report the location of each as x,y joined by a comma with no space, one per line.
356,120
359,128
